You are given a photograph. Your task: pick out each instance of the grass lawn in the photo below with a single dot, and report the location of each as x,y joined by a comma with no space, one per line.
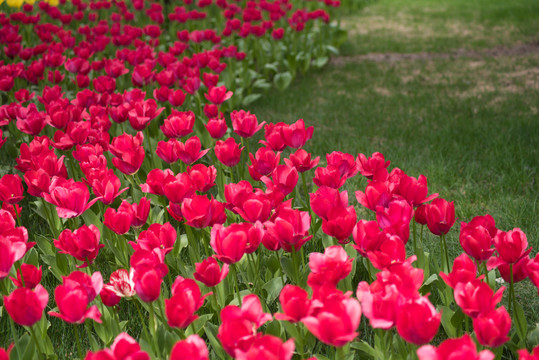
469,123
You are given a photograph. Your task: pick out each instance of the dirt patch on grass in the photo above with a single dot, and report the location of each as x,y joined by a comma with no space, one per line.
514,51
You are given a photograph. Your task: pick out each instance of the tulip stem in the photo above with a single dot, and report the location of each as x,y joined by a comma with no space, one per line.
32,332
295,264
300,341
446,253
280,267
236,280
79,347
511,290
307,200
340,353
413,234
144,328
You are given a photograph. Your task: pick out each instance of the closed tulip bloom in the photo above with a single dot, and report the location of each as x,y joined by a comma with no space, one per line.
176,188
418,321
128,152
178,124
274,138
325,199
157,236
168,151
11,190
420,214
149,271
295,303
390,251
218,95
263,163
228,243
440,216
28,276
301,160
10,252
192,348
475,297
74,296
268,347
329,176
228,152
367,236
476,241
511,245
290,228
368,167
464,270
140,212
185,301
216,127
245,124
124,347
296,135
414,191
255,207
25,306
492,327
461,348
336,322
82,244
285,178
69,197
330,267
209,273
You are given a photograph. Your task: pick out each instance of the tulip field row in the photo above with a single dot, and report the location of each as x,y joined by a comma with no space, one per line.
176,225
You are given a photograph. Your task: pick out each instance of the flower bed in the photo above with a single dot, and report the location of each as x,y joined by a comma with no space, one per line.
125,124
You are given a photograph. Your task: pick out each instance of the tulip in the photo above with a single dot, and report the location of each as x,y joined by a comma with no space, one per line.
368,167
267,347
525,355
285,178
245,124
255,207
149,271
511,245
418,321
228,243
176,188
340,223
82,244
25,306
336,322
464,270
192,348
190,151
202,176
395,219
228,152
161,237
69,197
532,269
185,301
376,194
461,348
11,190
140,212
330,177
440,216
390,250
296,135
11,252
492,327
178,124
414,191
200,212
295,303
123,347
330,267
263,163
218,95
477,236
344,163
326,198
119,220
475,297
128,152
290,228
107,188
379,303
301,160
75,294
209,273
28,276
274,139
216,127
155,181
367,236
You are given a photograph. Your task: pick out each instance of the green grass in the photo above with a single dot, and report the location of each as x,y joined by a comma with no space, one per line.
470,125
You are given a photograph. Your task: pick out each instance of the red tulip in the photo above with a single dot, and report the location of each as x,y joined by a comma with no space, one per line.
263,163
525,355
69,197
477,236
228,152
178,124
325,199
161,237
74,296
119,220
395,219
185,301
189,152
11,190
192,348
492,327
414,191
140,212
379,303
295,303
216,127
200,212
511,245
255,207
218,95
202,176
368,167
376,194
209,273
301,160
149,271
82,244
107,188
273,136
128,152
229,243
440,216
155,181
340,223
329,268
9,253
532,270
245,124
418,321
475,297
344,163
420,215
464,270
336,322
367,236
124,347
329,176
26,306
290,228
28,276
461,348
296,135
390,250
267,347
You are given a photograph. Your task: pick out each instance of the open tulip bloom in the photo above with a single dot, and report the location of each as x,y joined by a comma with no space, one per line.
222,235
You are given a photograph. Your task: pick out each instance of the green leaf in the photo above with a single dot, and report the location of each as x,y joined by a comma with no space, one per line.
320,62
521,324
211,331
332,49
431,279
250,99
457,320
273,288
200,322
364,347
533,336
261,84
272,66
447,314
288,266
282,80
91,218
